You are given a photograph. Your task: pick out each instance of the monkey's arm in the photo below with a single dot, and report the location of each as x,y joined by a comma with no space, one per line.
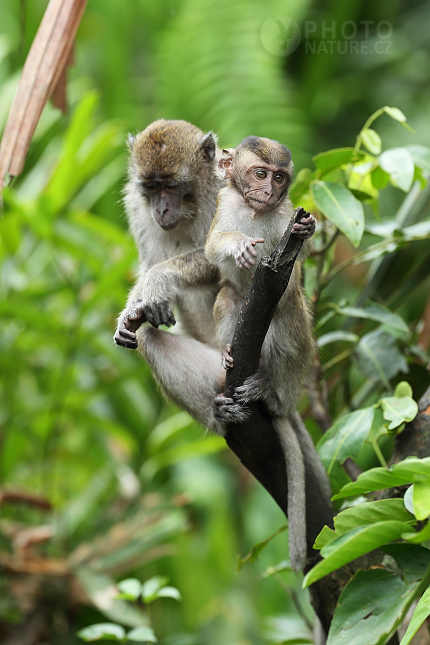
155,291
221,246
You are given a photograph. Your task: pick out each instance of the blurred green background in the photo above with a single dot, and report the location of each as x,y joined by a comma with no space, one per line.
135,486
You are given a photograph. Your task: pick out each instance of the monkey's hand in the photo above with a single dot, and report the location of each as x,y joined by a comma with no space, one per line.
129,322
226,410
305,228
158,312
245,253
227,359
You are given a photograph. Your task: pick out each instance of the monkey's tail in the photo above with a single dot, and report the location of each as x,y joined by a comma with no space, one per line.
296,492
310,453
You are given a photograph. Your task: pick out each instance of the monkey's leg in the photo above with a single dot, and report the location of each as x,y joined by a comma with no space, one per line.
296,492
189,373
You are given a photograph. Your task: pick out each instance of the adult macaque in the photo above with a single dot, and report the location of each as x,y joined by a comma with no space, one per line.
170,200
253,212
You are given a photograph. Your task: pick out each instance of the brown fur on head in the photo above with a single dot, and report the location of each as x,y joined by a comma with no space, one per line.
166,161
260,169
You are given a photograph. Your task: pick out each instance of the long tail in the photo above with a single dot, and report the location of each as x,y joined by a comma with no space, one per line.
296,492
310,454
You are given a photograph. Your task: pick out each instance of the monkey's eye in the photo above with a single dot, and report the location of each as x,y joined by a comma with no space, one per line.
151,188
261,174
278,178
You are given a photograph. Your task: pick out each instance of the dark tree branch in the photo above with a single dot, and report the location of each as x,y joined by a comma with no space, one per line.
255,442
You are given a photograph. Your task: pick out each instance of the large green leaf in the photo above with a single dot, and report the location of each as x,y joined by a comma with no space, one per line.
421,499
346,437
325,161
409,471
354,544
102,632
369,608
399,164
397,410
378,357
341,207
422,611
420,155
362,514
142,635
377,312
336,336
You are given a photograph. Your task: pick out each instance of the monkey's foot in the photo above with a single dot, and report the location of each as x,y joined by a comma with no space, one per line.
254,388
128,324
227,359
226,410
305,228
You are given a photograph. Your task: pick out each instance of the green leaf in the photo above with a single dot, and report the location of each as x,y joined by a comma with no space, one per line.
398,410
399,164
169,592
371,140
335,336
420,155
325,536
422,611
395,114
376,312
256,550
370,513
403,389
378,357
420,537
300,184
363,514
334,158
102,632
409,471
151,587
130,589
413,560
142,635
346,437
421,499
341,207
380,178
369,608
352,545
277,568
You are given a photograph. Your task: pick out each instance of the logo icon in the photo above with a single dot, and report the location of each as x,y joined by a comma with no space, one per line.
280,36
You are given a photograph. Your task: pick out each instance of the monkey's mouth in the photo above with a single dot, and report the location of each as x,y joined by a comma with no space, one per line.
261,204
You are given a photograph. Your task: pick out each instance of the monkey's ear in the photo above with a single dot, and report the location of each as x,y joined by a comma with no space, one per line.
208,146
225,164
131,139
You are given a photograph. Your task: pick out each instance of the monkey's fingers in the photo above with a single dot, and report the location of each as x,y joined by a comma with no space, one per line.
227,359
226,410
257,240
125,338
305,228
252,389
166,314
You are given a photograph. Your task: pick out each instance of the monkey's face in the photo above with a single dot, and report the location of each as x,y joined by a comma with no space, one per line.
264,186
170,202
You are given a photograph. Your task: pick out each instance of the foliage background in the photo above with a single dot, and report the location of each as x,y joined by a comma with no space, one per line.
82,423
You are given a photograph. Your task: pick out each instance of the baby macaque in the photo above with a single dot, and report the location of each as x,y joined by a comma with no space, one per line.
253,212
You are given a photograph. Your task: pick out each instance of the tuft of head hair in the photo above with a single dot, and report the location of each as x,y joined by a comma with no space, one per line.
270,151
171,149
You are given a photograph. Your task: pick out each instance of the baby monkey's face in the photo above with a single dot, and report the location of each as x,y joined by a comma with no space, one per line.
264,186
